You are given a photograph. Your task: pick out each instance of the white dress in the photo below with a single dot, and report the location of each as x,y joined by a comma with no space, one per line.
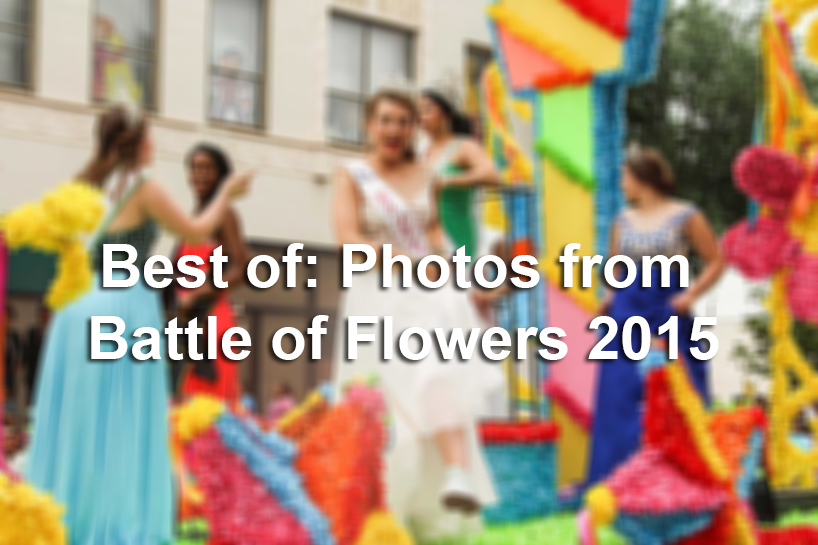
427,396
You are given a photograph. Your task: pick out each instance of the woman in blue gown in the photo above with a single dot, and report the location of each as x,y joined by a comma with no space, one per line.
655,224
100,441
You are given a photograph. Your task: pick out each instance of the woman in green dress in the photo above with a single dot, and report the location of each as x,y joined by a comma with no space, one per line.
461,166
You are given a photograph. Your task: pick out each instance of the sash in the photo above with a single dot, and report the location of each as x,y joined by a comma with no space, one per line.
402,222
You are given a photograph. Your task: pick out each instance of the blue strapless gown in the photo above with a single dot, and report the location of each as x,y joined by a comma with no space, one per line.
100,444
617,426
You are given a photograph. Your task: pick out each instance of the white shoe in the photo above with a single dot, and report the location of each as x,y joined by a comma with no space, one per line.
457,493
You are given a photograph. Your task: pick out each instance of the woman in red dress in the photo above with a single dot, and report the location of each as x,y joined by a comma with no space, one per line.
209,167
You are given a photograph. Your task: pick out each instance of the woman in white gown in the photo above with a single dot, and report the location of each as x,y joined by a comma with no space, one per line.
435,469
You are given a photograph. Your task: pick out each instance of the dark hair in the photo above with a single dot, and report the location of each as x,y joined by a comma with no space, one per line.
223,166
119,136
400,98
651,168
460,124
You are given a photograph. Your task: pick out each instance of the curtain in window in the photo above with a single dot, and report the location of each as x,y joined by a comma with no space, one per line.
124,50
237,61
15,37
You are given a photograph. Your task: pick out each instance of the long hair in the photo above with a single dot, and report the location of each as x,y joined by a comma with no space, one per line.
460,124
119,135
404,100
223,166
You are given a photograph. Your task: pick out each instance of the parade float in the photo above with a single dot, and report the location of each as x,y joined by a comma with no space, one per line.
315,477
690,482
563,70
779,240
554,122
562,75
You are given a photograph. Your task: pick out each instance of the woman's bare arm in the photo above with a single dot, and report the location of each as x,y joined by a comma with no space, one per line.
479,168
157,203
235,249
706,245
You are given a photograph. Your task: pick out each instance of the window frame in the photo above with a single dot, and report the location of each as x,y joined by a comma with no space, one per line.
473,50
29,33
367,24
153,60
263,81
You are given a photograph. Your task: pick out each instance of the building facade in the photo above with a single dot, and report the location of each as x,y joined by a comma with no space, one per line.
278,83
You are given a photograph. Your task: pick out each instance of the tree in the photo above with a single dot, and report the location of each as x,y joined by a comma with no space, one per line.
699,110
755,354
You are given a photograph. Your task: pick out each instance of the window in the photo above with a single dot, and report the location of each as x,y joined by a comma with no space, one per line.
477,59
237,62
363,58
125,51
15,42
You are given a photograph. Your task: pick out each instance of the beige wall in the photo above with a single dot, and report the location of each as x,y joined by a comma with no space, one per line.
45,135
63,49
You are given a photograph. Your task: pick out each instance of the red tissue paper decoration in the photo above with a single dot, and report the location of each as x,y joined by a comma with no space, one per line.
341,463
552,80
768,176
611,15
298,429
761,249
731,432
493,433
802,288
798,535
666,429
239,509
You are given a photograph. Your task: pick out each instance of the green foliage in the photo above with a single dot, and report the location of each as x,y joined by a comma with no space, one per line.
699,110
754,355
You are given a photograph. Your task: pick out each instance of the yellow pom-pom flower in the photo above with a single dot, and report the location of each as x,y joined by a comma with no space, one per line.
601,505
55,225
74,207
73,275
28,516
381,528
196,416
294,414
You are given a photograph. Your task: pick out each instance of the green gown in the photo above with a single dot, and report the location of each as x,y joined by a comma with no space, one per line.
456,206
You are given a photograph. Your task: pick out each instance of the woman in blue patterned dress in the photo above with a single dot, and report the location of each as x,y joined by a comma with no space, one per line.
655,224
100,443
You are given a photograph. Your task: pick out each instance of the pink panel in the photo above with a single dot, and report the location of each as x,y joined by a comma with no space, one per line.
524,63
573,374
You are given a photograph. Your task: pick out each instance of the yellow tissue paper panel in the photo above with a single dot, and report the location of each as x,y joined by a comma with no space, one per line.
493,214
572,449
569,215
553,18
